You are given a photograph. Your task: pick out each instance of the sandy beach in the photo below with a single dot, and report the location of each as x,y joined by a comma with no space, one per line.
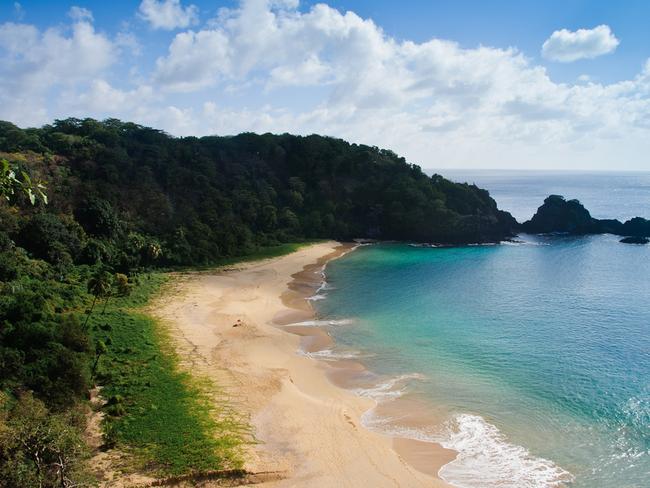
307,427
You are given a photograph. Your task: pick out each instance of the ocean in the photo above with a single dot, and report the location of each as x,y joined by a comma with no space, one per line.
533,356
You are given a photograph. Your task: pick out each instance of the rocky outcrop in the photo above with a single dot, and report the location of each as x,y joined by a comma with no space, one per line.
558,215
635,240
636,227
565,216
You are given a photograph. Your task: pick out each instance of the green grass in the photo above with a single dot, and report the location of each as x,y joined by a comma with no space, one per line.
156,412
160,415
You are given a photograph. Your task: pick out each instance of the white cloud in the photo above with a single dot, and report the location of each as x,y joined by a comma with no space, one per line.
129,42
19,11
101,97
34,62
268,66
80,14
204,53
566,46
168,14
440,93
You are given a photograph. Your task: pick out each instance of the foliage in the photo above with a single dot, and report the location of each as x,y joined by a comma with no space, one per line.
13,181
132,197
42,345
38,448
160,414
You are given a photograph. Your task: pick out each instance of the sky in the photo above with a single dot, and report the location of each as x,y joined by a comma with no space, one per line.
453,84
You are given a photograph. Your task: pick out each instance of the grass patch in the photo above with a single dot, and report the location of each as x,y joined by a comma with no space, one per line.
159,414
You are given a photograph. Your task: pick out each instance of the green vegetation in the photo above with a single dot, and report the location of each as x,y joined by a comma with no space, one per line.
124,201
39,448
130,196
154,410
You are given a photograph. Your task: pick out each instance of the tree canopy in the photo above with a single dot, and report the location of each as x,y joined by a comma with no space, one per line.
121,190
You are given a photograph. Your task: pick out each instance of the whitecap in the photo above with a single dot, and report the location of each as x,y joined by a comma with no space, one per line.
487,458
331,355
389,389
524,243
321,323
324,287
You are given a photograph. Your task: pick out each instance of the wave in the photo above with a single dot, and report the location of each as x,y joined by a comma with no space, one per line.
324,287
389,389
321,323
524,243
331,355
486,458
317,296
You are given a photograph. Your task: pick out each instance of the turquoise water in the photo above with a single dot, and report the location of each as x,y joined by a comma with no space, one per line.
536,355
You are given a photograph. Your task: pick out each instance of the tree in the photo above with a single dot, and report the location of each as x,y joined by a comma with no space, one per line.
37,447
99,285
100,349
122,286
11,184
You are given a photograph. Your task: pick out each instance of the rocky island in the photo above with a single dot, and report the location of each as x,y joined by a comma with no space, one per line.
558,215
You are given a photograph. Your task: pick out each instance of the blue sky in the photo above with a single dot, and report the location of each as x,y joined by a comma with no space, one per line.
539,85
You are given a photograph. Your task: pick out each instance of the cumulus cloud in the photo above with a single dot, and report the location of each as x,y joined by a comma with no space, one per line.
566,46
168,14
419,96
34,62
267,65
80,14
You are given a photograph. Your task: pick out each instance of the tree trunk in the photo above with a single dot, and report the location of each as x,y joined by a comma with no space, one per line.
92,374
91,311
105,303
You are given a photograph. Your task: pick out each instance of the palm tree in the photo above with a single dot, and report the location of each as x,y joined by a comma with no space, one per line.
99,285
100,349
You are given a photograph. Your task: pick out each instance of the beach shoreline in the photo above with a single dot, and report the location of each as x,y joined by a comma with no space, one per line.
234,326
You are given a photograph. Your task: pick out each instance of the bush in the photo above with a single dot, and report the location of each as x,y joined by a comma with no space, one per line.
39,448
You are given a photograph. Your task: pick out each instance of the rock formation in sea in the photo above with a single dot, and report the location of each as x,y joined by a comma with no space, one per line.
571,217
635,240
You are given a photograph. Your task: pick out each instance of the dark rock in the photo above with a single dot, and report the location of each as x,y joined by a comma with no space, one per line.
558,215
610,226
566,216
635,240
636,227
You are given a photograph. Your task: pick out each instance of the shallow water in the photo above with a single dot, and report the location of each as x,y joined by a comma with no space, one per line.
536,356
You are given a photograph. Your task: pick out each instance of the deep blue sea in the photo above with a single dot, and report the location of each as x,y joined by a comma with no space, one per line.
534,356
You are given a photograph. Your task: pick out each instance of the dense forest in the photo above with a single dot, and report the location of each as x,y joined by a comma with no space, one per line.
117,186
86,206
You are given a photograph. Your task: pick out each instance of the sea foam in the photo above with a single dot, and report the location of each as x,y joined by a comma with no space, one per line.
389,389
487,458
321,323
317,296
332,355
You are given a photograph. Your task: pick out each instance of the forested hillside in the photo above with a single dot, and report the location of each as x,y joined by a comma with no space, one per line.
86,207
117,187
